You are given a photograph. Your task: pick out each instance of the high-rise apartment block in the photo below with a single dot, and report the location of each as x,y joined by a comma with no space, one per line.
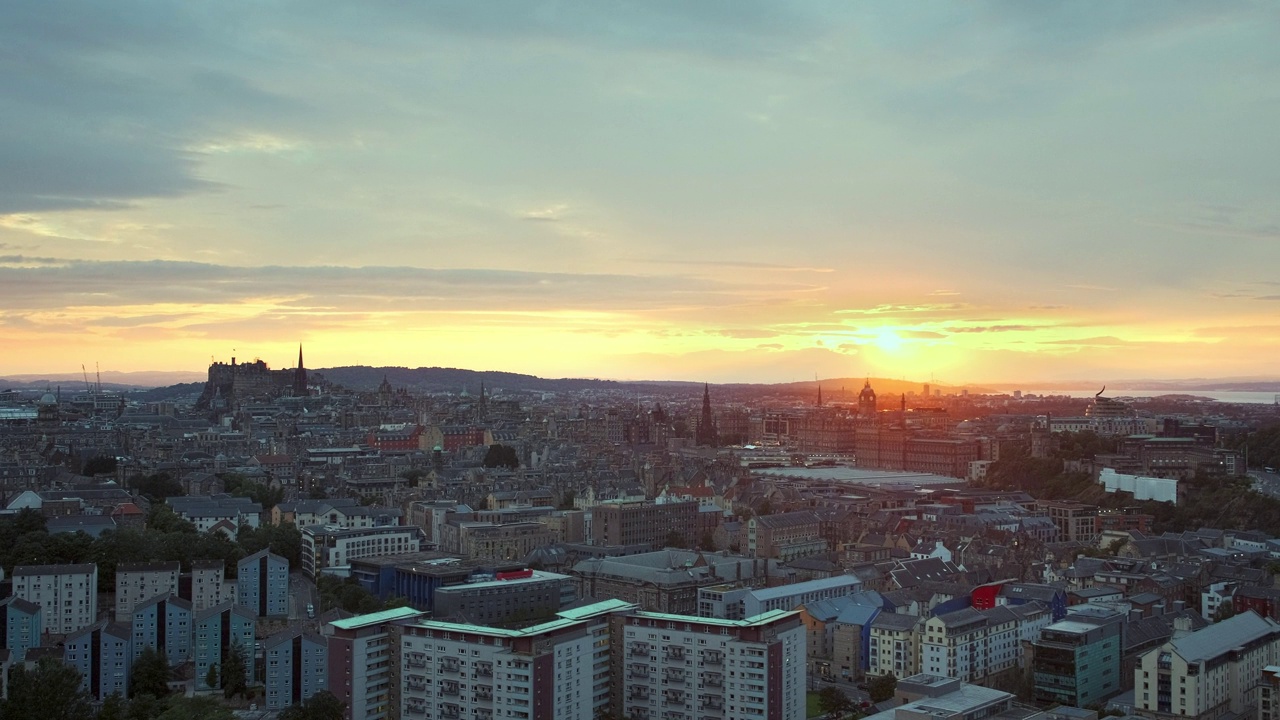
164,623
218,631
137,582
21,624
363,671
66,594
103,654
296,667
262,584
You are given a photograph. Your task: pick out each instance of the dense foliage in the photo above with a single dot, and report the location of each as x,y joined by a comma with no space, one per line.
321,706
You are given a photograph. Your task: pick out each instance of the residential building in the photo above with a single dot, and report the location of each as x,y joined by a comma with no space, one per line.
1269,694
1077,662
784,536
644,522
970,645
343,512
501,541
140,581
66,594
667,580
21,624
558,669
1208,673
363,670
223,511
1076,521
328,548
262,584
894,645
103,655
676,666
164,622
208,585
296,666
217,631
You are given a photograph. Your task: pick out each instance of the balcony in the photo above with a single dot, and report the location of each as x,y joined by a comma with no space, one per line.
449,688
450,711
675,676
639,649
416,660
714,680
638,671
415,683
484,694
449,666
713,658
638,693
675,653
484,669
415,709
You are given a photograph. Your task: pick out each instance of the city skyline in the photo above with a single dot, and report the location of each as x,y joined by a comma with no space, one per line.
744,192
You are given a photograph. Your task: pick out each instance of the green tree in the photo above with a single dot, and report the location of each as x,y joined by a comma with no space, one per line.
707,541
50,691
501,456
321,706
674,539
101,465
211,677
261,493
113,708
146,707
233,670
150,674
196,708
155,487
1225,611
833,702
162,518
882,687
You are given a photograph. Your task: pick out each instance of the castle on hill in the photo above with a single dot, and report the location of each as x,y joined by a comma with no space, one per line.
232,383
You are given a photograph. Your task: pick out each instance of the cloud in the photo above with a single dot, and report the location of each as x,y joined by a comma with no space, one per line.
990,328
746,333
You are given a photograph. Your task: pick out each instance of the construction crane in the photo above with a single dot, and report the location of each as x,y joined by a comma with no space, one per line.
98,367
87,386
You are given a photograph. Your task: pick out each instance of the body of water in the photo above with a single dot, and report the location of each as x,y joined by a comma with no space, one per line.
1265,398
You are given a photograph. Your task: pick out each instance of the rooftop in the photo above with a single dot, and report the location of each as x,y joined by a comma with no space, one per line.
359,621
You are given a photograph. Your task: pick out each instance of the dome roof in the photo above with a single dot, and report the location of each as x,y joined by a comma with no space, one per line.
48,399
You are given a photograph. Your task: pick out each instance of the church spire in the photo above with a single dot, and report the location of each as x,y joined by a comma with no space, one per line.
300,376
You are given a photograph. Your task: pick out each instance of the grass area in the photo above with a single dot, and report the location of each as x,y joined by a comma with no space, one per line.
811,705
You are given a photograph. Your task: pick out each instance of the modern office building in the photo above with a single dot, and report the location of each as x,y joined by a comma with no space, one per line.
21,624
66,594
328,548
363,670
942,698
164,623
296,666
216,632
1077,662
137,582
102,653
739,603
521,595
262,584
1208,673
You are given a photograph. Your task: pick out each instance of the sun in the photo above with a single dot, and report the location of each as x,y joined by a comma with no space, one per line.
886,340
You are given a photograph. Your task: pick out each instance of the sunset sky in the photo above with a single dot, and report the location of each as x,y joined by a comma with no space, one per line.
719,190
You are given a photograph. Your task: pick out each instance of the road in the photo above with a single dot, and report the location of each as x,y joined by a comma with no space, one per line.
301,593
817,682
1267,483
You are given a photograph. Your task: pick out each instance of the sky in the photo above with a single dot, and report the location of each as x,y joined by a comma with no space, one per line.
726,190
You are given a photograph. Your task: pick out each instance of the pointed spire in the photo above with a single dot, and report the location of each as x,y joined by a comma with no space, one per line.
819,396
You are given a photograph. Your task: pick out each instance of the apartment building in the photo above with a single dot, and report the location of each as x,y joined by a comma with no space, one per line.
343,512
1076,521
677,667
507,541
643,523
140,581
262,584
218,630
164,623
1208,673
1269,693
103,655
223,511
970,645
209,586
328,546
296,666
67,594
559,669
364,669
784,536
894,645
21,624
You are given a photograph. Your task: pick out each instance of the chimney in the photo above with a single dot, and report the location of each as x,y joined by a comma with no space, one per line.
1181,627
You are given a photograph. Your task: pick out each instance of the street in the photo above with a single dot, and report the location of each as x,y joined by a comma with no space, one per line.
1267,483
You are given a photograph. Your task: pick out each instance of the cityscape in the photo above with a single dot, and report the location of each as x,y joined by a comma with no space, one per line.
661,360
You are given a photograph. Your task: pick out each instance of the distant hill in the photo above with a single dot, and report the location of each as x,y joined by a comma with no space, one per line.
111,380
360,377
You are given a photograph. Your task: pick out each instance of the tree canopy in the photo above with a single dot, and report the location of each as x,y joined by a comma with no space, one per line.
321,706
501,456
50,691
